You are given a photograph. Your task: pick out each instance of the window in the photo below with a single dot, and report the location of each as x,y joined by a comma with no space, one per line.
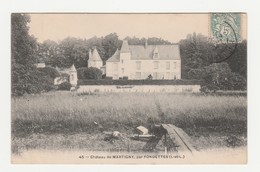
115,67
174,65
122,70
156,55
72,77
138,75
167,65
138,65
115,76
167,76
155,75
156,65
122,61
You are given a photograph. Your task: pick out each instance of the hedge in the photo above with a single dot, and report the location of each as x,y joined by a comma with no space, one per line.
138,82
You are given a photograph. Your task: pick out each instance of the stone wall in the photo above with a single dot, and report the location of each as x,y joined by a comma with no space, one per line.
140,88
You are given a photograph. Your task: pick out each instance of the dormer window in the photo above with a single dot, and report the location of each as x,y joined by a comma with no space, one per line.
156,55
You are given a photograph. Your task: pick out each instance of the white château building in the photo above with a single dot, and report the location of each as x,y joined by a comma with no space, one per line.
140,61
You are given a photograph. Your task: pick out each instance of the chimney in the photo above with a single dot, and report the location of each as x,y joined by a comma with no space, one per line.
146,44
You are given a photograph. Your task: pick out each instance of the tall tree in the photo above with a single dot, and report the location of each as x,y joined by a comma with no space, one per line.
194,53
110,43
238,61
141,41
23,48
72,51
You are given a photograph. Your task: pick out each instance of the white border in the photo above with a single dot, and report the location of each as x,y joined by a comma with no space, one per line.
250,7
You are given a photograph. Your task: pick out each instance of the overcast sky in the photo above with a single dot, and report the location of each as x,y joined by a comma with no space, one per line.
171,27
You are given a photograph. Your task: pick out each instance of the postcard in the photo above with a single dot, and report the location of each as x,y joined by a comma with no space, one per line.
129,88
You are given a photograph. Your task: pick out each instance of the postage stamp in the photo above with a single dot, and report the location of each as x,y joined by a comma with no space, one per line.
115,88
226,27
225,33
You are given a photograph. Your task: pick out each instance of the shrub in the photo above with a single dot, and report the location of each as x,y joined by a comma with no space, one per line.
65,76
81,72
110,81
220,77
52,72
64,86
109,78
89,73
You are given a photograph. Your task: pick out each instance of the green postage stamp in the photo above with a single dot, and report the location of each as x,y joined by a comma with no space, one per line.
226,27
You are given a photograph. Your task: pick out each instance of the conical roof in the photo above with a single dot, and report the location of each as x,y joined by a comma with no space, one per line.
72,68
125,47
95,56
115,57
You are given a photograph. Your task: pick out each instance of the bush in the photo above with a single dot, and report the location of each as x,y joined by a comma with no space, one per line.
109,78
108,81
89,73
220,77
64,86
81,72
52,72
31,82
47,83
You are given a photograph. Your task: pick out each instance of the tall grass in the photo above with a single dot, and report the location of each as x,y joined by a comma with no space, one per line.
64,112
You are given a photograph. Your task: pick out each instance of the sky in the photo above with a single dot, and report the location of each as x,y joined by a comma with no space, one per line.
172,27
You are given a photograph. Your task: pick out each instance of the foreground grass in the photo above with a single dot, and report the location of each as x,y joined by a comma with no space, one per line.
63,113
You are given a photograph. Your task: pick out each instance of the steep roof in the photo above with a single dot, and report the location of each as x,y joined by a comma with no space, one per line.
140,52
115,57
72,68
66,70
166,52
125,47
94,55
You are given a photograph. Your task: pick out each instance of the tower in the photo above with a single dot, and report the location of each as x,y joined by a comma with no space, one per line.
125,58
73,76
94,59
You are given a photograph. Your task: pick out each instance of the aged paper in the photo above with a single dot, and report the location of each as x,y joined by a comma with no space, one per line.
129,88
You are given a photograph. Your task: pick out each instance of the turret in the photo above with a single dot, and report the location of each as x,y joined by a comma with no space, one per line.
94,59
125,47
73,76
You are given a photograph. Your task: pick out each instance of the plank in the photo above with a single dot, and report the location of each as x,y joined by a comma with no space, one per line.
179,137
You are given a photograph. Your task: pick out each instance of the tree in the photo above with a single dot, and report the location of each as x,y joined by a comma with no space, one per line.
48,51
23,46
64,86
238,61
89,73
82,72
73,51
218,76
110,43
151,41
50,71
194,53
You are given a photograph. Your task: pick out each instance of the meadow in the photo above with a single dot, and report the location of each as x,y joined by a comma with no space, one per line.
65,120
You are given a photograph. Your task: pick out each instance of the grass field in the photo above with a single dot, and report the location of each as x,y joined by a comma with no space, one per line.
64,120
